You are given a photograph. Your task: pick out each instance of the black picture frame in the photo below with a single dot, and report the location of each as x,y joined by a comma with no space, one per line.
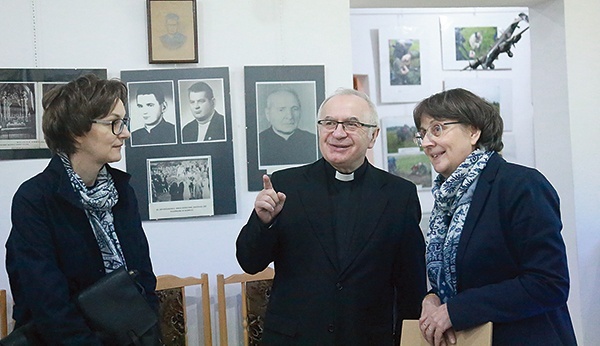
25,140
302,79
220,152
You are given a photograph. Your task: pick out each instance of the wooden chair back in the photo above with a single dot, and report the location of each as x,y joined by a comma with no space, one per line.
171,293
262,281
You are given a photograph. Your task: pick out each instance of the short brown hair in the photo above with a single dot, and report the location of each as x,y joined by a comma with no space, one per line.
467,108
70,108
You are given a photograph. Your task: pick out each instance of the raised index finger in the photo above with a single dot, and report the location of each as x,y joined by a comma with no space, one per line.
267,182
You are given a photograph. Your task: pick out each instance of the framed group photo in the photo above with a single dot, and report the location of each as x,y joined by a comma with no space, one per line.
21,110
172,31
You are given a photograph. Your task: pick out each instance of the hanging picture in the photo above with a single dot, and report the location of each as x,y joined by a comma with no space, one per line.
181,151
404,73
172,31
281,118
495,90
467,37
404,158
21,95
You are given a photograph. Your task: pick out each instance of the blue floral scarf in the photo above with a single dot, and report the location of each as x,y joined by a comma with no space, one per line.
452,201
98,202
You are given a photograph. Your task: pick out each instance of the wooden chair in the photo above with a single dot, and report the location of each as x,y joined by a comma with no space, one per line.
170,290
3,315
255,290
477,336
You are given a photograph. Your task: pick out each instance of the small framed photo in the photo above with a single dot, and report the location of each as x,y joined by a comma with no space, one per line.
172,31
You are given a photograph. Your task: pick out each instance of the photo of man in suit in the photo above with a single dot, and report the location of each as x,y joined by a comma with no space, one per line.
344,238
283,142
208,125
150,105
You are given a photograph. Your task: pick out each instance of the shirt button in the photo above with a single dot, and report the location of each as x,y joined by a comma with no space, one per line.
330,328
339,286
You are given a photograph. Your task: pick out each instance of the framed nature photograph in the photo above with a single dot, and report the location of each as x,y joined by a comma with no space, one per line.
172,31
469,36
404,158
403,52
497,91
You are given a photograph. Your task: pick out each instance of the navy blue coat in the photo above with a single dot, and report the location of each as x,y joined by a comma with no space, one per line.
315,299
511,261
52,253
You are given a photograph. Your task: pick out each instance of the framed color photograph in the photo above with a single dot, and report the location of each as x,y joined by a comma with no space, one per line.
495,90
403,54
469,36
404,158
172,31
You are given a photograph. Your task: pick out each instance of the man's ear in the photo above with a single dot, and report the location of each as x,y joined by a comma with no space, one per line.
373,138
163,106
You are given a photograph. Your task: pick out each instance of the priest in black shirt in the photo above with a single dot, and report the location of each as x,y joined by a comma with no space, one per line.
344,238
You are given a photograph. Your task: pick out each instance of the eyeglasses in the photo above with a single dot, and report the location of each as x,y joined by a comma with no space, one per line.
118,125
348,125
433,131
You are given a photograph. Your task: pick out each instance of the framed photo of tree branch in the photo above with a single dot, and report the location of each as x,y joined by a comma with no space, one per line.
172,31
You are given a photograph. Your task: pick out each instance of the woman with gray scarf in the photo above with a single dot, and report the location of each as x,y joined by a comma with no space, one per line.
78,220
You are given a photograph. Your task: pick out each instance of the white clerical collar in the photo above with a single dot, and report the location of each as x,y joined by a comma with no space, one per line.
343,176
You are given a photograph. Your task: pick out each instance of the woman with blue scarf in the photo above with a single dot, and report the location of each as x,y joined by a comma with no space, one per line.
78,220
494,245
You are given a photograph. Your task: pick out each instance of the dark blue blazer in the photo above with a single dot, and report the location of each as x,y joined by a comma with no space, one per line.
511,261
315,298
52,253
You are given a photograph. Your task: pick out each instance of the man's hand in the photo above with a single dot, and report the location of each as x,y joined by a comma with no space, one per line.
268,203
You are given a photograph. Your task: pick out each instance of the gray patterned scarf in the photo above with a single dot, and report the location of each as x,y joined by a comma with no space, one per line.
452,201
98,202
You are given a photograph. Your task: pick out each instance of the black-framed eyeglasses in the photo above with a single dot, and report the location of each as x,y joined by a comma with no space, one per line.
348,125
118,125
433,131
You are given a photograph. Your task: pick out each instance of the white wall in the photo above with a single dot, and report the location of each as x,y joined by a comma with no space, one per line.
235,33
367,24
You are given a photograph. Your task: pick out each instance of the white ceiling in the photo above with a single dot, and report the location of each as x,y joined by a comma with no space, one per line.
442,3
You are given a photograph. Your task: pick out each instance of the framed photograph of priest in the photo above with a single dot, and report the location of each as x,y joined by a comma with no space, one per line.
286,118
152,113
202,110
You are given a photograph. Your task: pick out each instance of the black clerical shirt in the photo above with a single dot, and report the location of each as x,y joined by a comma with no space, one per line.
345,197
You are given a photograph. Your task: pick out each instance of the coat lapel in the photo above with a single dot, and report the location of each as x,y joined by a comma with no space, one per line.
371,206
316,203
480,197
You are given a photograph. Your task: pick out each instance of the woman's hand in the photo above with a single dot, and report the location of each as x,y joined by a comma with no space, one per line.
435,323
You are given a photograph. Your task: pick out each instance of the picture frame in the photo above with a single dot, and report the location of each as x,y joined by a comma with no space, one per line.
405,55
140,158
307,82
458,30
172,31
404,158
21,111
497,91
